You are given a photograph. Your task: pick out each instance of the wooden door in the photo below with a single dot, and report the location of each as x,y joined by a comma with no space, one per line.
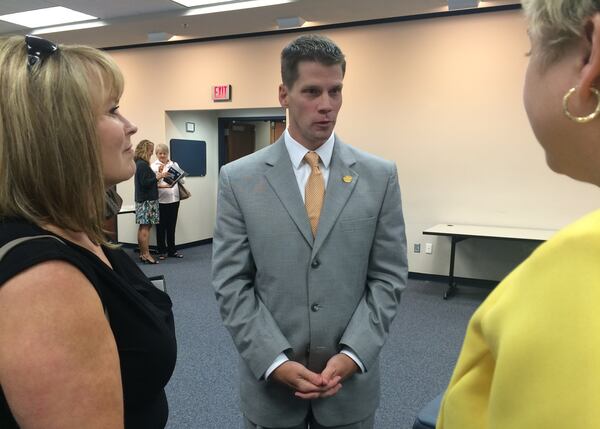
277,129
240,139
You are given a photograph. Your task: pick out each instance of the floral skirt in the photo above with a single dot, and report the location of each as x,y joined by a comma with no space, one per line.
146,212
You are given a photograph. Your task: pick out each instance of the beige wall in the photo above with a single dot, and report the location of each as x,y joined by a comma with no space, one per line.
440,97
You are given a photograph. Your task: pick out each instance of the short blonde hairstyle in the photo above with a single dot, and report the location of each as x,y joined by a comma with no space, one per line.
557,23
142,150
50,156
161,147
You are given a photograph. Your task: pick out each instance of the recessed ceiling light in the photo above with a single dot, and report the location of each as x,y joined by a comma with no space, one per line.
159,36
46,17
290,22
462,4
235,6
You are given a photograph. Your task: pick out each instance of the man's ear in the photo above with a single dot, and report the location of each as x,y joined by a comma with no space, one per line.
283,96
590,72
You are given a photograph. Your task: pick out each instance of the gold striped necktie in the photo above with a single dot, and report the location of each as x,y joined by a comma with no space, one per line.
314,193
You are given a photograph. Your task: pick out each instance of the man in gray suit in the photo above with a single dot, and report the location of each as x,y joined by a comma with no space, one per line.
309,258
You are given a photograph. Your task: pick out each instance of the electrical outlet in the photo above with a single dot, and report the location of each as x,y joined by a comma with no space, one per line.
417,248
429,248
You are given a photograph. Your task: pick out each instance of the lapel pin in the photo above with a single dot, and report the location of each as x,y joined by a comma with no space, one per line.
347,179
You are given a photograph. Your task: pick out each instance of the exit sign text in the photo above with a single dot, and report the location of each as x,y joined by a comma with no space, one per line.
221,93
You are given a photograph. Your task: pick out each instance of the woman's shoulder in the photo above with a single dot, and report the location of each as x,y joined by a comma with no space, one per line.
54,277
538,326
24,245
581,237
142,167
70,348
560,272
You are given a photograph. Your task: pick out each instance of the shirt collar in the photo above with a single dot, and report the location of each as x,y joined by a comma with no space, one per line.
297,151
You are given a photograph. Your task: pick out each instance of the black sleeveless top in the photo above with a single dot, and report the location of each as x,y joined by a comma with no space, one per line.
139,315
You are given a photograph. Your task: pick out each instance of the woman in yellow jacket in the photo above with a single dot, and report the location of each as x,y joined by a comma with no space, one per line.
531,355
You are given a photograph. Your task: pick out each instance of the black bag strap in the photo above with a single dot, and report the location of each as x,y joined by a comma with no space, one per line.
14,243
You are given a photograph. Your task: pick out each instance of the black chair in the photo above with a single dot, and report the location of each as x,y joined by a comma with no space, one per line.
428,414
159,282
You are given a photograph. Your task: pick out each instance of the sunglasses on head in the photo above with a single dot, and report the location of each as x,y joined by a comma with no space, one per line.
38,50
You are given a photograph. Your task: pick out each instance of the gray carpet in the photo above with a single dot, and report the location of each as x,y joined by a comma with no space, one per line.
417,360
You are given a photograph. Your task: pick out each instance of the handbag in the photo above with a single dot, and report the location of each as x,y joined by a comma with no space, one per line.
184,194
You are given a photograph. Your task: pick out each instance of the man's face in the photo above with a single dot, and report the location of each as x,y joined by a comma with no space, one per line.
314,101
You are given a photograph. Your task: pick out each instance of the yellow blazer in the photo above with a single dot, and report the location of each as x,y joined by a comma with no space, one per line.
531,355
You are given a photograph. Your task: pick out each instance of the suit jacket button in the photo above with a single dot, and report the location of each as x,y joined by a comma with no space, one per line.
315,263
315,307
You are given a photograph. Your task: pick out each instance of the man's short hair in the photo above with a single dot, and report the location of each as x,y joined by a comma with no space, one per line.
310,47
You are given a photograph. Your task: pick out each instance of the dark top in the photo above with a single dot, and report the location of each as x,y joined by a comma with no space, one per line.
146,185
139,315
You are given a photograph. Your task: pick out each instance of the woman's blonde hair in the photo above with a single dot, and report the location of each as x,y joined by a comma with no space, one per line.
161,147
557,23
50,156
144,150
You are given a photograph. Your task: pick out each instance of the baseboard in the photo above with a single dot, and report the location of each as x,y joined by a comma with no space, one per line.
460,281
178,247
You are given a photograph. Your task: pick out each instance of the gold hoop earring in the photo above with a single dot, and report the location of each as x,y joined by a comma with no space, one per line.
581,119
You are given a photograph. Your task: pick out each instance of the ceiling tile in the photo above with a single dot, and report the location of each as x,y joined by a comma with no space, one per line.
14,6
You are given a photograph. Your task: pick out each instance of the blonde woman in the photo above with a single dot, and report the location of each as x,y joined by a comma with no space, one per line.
168,199
146,198
531,356
86,341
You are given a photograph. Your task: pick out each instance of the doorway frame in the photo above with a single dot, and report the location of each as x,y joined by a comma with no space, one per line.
224,121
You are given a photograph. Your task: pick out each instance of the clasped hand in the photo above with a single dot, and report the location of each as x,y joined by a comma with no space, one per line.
310,385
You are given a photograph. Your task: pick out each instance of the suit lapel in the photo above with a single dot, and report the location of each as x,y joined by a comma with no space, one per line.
282,179
338,190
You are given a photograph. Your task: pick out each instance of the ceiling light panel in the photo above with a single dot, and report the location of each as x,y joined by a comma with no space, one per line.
69,27
235,6
46,17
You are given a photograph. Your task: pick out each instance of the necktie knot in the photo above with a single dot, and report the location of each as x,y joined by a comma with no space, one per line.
312,158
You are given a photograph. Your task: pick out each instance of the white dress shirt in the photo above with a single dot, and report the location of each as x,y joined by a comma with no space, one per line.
302,171
166,195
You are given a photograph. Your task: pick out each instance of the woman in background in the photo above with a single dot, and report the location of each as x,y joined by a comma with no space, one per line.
86,341
146,198
531,355
168,199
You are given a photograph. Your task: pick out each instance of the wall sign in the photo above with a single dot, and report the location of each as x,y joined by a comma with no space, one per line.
221,93
190,155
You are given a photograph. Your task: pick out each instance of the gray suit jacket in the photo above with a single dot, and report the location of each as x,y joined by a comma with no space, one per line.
280,291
